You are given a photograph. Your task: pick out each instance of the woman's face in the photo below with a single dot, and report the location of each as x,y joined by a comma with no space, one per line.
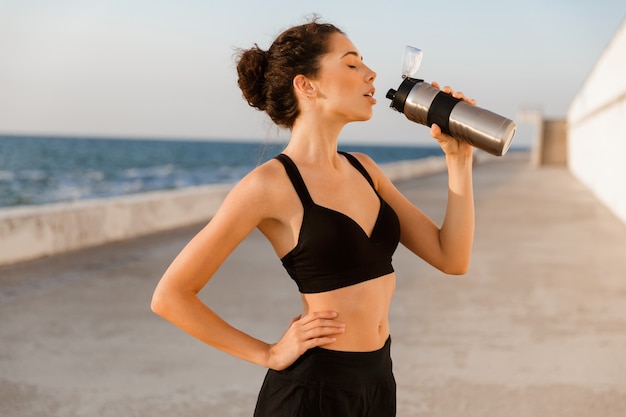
345,85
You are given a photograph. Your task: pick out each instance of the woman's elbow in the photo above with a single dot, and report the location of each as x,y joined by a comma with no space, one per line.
456,268
159,304
169,300
456,271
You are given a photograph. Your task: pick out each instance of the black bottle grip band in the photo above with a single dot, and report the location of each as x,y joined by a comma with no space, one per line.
440,109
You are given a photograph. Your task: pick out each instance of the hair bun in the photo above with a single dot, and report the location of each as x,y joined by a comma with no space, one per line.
251,70
266,77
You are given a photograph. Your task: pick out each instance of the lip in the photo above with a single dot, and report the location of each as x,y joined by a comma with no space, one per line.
370,96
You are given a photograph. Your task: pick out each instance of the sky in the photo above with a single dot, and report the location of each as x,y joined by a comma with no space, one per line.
165,68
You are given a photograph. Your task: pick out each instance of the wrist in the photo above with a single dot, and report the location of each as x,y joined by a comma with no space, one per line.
461,159
267,356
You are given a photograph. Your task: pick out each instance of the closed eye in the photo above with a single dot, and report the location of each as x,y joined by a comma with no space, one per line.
351,55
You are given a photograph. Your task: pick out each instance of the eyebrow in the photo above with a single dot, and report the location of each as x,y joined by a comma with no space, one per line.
356,54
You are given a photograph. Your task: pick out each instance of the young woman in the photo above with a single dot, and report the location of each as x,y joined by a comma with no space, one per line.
334,219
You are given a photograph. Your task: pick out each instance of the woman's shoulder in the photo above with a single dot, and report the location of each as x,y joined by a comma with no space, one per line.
268,173
363,158
264,183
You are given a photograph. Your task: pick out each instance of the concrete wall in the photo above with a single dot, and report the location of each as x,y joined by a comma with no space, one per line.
30,232
597,127
549,147
554,143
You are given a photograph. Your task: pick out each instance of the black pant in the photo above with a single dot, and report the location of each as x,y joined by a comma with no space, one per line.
329,383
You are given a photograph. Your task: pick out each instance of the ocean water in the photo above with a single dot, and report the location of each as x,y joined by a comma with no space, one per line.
40,170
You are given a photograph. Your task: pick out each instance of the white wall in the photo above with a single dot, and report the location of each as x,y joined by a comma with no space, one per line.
597,127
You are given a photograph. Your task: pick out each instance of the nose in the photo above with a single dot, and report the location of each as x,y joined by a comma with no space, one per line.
371,75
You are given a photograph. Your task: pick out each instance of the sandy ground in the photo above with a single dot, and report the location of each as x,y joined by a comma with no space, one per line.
536,328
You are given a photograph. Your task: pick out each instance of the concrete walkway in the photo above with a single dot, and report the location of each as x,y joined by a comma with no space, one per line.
537,327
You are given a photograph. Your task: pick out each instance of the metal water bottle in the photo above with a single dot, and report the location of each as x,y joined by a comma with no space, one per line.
424,104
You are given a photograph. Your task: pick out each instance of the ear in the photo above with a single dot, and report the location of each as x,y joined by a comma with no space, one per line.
303,86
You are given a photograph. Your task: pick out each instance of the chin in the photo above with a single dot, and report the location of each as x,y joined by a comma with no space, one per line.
368,117
364,116
360,117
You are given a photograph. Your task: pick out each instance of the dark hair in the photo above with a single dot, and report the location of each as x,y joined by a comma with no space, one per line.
266,77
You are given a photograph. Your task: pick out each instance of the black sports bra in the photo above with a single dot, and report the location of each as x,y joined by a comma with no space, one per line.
333,251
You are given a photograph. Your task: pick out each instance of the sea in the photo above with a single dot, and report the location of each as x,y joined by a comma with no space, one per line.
38,170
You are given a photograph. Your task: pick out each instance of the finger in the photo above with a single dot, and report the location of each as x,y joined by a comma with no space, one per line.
435,130
308,323
321,332
320,341
461,96
319,327
323,324
295,319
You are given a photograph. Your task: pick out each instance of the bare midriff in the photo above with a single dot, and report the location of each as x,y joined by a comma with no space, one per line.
363,308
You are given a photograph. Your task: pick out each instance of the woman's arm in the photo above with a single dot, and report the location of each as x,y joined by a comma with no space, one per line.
456,234
176,295
448,248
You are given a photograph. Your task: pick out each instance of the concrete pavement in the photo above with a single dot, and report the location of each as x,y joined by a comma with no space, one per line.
536,328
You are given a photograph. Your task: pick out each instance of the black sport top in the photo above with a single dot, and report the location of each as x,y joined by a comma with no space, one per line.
333,251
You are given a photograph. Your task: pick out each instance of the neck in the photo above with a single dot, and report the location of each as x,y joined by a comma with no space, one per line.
314,141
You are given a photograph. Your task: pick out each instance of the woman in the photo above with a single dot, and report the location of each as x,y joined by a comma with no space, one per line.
334,219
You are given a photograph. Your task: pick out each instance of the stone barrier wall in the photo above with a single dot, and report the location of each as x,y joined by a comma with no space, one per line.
31,232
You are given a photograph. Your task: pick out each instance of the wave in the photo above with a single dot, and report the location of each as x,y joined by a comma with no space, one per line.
40,170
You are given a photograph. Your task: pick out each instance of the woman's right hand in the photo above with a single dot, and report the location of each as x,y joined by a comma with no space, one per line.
450,145
304,333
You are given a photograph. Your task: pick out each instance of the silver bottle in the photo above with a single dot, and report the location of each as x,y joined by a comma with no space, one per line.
424,104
